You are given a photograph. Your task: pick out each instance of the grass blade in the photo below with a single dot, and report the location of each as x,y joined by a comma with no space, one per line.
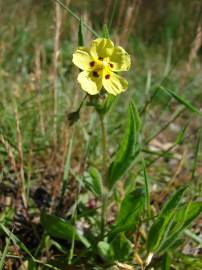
67,168
181,100
3,257
146,182
105,31
76,17
15,240
194,236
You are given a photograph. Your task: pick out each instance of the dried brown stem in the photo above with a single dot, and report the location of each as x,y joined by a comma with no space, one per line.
37,73
58,22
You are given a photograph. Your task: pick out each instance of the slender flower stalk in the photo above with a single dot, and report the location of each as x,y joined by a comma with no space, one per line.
104,148
104,167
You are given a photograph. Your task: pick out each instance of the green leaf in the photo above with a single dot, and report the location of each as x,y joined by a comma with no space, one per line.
80,34
93,181
127,151
166,262
194,210
60,228
184,215
122,247
181,100
157,232
105,251
173,201
131,208
160,227
146,181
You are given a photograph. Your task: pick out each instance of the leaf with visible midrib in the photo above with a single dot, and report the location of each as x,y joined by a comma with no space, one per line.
165,218
183,217
60,228
131,208
127,151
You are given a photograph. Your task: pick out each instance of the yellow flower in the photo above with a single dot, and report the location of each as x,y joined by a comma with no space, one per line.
99,64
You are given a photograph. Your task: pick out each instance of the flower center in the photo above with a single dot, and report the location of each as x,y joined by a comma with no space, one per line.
105,64
99,65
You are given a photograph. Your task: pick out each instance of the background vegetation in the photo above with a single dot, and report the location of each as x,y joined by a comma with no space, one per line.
51,184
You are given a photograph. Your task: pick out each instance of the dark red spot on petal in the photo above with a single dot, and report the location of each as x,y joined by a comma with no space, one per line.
92,63
111,65
107,77
95,74
101,58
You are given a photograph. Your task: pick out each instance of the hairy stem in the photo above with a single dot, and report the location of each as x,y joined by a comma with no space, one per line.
104,148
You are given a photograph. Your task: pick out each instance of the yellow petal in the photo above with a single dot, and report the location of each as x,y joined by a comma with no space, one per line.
101,47
113,83
120,59
89,83
82,58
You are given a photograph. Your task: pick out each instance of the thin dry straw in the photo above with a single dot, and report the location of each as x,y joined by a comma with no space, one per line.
37,73
58,22
196,45
107,6
129,21
10,154
121,13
